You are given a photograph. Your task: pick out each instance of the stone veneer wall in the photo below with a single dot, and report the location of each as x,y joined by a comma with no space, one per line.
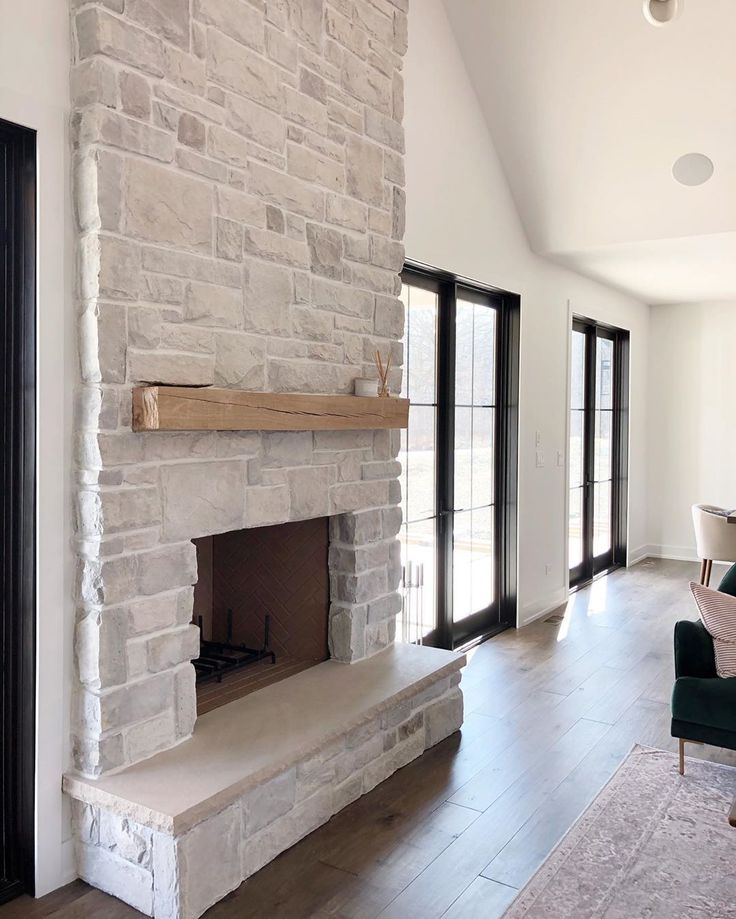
238,189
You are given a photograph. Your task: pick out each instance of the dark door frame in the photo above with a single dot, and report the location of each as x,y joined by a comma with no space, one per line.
18,489
508,328
616,556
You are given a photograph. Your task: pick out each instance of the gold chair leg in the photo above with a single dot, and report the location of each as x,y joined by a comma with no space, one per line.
682,756
703,566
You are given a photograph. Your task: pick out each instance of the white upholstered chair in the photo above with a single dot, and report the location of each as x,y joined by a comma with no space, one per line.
715,537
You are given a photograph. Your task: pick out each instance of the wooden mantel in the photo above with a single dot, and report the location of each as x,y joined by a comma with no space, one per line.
192,408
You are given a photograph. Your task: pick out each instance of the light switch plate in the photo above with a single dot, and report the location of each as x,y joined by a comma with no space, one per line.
540,459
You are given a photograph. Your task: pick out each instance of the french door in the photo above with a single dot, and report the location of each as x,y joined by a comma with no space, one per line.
598,449
458,458
17,498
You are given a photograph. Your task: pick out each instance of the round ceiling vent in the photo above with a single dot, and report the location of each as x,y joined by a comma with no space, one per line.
693,169
660,12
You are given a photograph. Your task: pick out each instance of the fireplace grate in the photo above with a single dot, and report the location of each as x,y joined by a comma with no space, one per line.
217,658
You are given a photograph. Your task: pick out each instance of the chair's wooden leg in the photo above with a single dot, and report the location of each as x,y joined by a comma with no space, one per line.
708,570
703,565
682,756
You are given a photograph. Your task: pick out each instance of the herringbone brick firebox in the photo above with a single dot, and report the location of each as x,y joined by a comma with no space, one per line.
264,588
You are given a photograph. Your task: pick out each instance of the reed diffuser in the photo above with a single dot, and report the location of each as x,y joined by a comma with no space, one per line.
383,389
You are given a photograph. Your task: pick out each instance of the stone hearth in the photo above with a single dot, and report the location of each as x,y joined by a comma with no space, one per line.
174,834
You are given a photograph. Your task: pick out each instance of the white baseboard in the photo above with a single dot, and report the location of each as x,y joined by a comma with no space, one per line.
68,862
638,555
676,553
531,614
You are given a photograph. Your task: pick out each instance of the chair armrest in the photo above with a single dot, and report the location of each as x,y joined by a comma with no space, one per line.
694,654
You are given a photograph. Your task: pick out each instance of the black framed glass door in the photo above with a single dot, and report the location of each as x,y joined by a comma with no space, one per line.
459,458
597,449
17,497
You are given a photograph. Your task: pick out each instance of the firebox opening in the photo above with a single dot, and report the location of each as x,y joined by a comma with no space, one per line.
262,604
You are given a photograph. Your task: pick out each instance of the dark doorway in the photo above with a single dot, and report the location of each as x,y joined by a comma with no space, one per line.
598,449
459,459
17,548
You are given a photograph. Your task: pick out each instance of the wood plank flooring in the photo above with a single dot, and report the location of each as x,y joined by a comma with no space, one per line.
551,710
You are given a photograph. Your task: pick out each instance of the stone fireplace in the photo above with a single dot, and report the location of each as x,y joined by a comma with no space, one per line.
238,186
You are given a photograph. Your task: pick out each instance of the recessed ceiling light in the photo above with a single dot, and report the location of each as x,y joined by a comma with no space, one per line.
660,12
693,169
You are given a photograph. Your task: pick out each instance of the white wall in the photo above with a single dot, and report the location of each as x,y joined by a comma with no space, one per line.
461,217
34,91
692,434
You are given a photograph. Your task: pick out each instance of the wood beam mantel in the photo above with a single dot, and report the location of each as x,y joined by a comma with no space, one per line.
191,408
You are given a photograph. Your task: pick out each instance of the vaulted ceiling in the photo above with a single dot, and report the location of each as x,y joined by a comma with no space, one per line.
589,106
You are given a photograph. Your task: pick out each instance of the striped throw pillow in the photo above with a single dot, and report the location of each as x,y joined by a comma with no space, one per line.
718,612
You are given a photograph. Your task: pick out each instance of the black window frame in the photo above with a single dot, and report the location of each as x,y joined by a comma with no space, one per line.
616,556
18,488
449,287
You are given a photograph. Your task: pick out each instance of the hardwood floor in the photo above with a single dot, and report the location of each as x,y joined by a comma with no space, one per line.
551,710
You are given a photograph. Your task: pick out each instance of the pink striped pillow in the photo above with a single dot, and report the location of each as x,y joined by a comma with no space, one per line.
718,612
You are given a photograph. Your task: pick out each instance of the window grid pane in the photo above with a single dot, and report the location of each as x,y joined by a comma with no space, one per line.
418,464
474,458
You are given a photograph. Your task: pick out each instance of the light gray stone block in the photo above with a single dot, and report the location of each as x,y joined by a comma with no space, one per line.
266,505
268,802
202,498
285,191
308,488
138,701
116,876
443,717
236,67
364,165
346,633
185,700
240,361
104,126
168,18
325,250
269,293
255,122
218,840
165,207
100,33
213,306
135,95
241,21
92,81
171,648
170,367
149,737
166,568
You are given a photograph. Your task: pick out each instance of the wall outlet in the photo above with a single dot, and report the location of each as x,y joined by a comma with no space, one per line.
560,458
548,570
540,459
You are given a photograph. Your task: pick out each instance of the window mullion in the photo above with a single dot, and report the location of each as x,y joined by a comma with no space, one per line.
445,456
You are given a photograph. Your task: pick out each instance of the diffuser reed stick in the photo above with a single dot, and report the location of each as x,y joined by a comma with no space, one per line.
383,389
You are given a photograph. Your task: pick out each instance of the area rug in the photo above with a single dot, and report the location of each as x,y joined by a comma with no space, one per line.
653,845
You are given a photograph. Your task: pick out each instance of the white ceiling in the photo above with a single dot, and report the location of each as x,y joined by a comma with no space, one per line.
589,106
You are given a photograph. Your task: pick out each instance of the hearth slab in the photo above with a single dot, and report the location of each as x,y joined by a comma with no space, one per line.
247,742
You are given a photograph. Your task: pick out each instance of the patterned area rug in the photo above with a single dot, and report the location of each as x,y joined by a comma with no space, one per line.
653,845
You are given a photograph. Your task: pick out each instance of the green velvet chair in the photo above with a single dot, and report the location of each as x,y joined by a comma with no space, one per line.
703,704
